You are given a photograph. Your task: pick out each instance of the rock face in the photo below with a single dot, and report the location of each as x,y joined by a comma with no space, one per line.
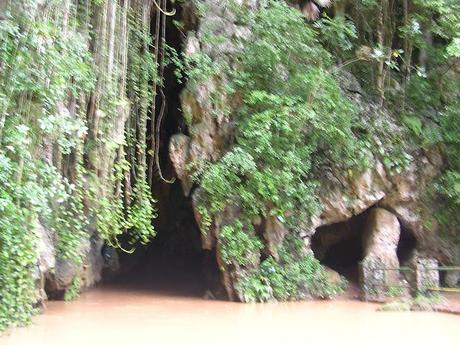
381,236
396,195
380,241
103,130
452,279
274,233
59,274
46,261
424,275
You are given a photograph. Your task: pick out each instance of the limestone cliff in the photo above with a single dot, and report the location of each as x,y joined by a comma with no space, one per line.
395,197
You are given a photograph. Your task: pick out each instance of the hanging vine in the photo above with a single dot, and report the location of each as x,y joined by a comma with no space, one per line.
76,92
160,45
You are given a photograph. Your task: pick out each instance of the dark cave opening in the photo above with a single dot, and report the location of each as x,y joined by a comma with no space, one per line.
174,262
406,245
339,246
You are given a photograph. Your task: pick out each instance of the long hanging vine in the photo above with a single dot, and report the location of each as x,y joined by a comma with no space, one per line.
163,10
160,44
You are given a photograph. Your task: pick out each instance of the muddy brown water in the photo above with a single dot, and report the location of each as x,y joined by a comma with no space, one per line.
121,314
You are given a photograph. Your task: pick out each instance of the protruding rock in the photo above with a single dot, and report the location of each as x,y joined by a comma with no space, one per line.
333,277
274,234
45,249
379,270
178,153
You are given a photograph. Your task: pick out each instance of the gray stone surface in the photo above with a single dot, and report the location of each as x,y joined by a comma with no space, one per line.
425,275
452,279
379,268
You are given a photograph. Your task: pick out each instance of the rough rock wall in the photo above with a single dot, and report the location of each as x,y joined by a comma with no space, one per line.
400,193
210,129
340,197
380,242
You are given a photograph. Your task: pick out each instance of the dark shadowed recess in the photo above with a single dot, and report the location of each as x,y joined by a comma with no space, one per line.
339,246
174,262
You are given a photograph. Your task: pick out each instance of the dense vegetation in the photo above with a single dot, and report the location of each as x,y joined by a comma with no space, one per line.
61,107
76,89
410,58
292,119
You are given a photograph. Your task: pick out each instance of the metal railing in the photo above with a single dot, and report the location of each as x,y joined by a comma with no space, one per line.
409,269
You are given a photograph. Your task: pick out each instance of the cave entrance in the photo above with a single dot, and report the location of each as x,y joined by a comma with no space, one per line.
174,262
339,246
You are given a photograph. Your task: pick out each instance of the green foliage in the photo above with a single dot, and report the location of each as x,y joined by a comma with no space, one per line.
205,219
40,195
290,121
40,67
140,215
293,277
113,219
414,124
292,118
239,244
142,68
73,291
417,303
337,33
69,222
395,291
453,49
448,185
427,302
47,74
117,215
419,48
17,260
110,220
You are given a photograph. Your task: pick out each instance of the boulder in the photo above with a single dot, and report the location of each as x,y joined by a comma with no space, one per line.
333,277
379,270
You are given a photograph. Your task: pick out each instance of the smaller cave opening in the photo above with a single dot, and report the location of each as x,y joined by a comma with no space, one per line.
406,245
339,246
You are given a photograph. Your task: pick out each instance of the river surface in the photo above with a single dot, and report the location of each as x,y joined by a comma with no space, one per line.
126,315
